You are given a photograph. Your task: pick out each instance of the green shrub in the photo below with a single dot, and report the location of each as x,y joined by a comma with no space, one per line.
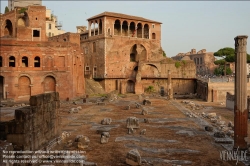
177,64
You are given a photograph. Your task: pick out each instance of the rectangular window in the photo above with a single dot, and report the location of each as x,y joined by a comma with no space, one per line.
87,68
153,25
49,34
49,26
36,33
86,51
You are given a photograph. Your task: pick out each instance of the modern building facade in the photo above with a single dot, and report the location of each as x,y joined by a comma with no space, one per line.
53,27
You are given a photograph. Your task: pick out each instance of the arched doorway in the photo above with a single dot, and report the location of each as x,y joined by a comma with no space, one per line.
1,87
130,87
24,86
49,84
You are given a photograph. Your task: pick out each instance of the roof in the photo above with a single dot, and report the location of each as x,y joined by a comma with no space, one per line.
120,15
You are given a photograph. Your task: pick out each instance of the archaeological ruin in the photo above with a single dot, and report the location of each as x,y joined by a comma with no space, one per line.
109,96
30,64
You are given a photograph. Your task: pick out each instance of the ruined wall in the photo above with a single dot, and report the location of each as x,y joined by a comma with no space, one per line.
230,101
216,91
36,125
66,37
50,66
180,86
29,25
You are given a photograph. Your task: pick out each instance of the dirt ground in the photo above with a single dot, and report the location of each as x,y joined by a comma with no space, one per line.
172,138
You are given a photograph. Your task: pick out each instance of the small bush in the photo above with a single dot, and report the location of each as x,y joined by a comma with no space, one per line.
177,64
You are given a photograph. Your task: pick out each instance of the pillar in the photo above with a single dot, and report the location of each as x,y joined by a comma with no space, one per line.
170,89
89,28
240,92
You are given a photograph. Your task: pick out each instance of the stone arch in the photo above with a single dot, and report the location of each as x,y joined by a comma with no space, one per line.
132,29
124,28
96,27
150,70
139,30
146,31
130,88
117,27
24,89
49,84
92,25
1,87
138,53
8,29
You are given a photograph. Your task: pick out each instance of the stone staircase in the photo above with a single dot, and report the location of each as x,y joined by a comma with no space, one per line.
93,87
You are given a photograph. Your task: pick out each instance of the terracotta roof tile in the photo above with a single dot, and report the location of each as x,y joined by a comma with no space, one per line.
120,15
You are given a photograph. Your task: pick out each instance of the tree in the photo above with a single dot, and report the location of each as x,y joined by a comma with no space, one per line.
221,69
229,54
220,62
6,9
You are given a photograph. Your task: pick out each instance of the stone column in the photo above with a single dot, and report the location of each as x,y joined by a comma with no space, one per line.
240,92
170,89
89,28
94,28
121,30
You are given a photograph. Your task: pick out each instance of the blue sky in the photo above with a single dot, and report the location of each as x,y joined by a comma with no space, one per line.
185,24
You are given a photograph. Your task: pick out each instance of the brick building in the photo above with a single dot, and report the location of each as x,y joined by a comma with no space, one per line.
30,64
123,52
203,60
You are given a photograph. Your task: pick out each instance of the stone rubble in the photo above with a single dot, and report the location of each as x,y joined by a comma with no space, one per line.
131,130
133,157
105,137
81,142
143,132
106,121
146,120
132,122
144,111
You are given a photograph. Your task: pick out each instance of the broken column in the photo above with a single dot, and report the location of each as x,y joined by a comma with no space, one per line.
105,137
240,92
170,90
133,157
133,122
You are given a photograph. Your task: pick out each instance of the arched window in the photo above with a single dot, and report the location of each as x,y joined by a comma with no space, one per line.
24,61
1,61
12,61
117,27
37,61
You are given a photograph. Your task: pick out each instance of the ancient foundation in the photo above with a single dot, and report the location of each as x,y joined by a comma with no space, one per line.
36,125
